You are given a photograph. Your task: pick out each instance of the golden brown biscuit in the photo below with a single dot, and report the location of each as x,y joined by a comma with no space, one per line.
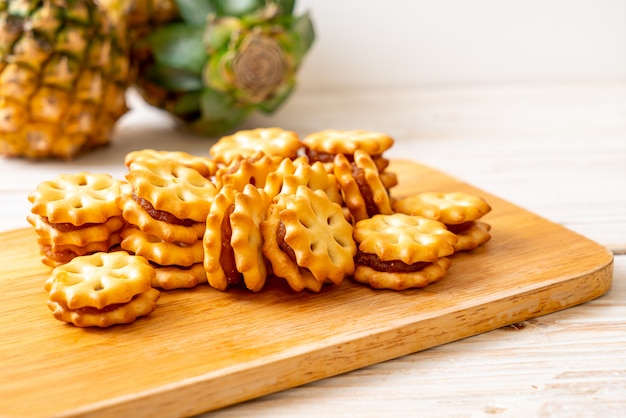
243,170
306,233
53,255
179,277
459,211
273,142
77,199
140,305
405,251
171,189
451,208
290,174
282,263
232,240
68,234
363,191
161,252
472,236
170,231
203,165
402,280
335,141
99,280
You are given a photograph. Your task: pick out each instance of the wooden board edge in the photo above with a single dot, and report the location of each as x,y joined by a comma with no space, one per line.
210,393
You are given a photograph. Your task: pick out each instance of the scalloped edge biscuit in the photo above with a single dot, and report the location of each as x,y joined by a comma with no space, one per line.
336,141
77,199
406,238
274,142
246,239
319,234
161,252
179,277
213,237
473,237
249,169
451,208
203,165
282,265
290,174
401,281
99,280
135,215
141,304
353,194
173,188
80,236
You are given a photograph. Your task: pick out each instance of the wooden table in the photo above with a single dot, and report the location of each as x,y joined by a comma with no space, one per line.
556,150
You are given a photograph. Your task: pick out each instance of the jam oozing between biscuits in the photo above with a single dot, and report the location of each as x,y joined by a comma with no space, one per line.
286,248
67,227
280,238
161,215
323,157
227,255
455,229
392,266
368,197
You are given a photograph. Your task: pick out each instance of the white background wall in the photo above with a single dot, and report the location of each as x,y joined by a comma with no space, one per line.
415,42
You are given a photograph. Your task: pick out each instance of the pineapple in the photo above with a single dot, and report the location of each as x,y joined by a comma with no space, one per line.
64,72
224,60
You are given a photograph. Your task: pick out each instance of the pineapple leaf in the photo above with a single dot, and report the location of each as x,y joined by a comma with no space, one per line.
195,12
303,27
286,6
187,106
271,105
219,113
237,8
179,46
174,79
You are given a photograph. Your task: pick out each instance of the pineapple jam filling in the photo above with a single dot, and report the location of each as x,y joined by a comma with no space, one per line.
455,229
227,255
66,227
90,310
280,238
391,266
368,197
323,157
160,215
64,256
327,157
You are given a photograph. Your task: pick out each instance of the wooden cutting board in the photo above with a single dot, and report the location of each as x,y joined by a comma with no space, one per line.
203,349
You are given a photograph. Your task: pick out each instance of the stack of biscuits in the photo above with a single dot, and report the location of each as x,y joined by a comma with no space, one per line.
75,215
165,205
102,289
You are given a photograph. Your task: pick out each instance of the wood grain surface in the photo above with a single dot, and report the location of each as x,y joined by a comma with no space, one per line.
203,349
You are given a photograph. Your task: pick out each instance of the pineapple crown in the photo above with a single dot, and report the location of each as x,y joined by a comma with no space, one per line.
224,59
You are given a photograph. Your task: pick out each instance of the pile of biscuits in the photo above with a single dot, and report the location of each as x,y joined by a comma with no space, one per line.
264,204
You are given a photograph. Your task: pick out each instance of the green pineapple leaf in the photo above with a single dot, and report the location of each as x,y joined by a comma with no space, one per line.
271,105
286,6
174,79
303,27
195,12
179,46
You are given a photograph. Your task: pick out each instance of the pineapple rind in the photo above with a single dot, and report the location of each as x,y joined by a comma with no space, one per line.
64,71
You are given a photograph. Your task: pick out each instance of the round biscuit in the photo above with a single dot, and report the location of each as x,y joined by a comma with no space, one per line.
274,142
336,141
404,237
99,280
